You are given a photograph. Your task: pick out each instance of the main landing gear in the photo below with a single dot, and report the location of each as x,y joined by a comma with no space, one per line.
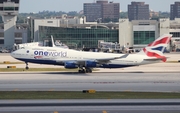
27,66
86,70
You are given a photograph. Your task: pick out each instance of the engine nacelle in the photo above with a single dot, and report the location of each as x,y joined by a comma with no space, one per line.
90,64
70,65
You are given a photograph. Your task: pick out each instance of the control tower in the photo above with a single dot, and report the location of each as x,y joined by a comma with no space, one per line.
9,10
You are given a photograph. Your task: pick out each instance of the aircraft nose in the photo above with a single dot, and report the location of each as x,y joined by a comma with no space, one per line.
13,54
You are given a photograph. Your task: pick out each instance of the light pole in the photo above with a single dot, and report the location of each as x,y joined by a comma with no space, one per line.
96,22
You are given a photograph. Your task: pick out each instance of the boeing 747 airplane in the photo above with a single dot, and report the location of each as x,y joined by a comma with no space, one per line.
86,61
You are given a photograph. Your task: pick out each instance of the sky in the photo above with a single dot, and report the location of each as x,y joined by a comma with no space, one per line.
27,6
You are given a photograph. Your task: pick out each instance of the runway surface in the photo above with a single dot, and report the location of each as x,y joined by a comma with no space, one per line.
62,81
93,109
89,106
103,80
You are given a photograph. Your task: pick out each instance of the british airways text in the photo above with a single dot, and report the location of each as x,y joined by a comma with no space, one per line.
53,54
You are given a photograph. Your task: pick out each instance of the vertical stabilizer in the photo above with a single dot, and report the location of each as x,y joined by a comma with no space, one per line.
156,48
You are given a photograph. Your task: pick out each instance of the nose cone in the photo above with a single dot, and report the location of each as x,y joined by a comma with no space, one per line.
13,54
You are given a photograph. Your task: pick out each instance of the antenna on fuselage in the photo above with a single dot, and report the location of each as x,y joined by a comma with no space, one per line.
53,45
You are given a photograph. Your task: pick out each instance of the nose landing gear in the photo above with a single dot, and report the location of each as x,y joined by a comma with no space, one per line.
26,66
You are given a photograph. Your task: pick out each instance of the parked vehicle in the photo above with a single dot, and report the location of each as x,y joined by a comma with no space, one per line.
4,51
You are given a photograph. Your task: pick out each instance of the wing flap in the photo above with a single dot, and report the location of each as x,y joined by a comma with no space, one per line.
99,60
84,60
113,58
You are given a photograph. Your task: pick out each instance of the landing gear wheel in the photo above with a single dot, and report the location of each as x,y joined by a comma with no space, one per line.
81,71
27,68
88,70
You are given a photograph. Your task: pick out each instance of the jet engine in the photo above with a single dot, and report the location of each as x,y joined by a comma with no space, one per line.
70,65
90,64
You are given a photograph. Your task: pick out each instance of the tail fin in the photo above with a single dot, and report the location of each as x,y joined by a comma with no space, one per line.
156,48
53,45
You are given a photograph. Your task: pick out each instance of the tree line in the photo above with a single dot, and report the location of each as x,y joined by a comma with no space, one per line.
22,17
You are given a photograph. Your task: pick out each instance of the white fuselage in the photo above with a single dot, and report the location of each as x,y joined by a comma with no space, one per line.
57,56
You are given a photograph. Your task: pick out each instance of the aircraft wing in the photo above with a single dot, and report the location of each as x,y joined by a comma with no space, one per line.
98,60
107,59
113,58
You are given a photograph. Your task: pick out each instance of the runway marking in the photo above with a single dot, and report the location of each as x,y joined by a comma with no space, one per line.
51,89
104,111
104,82
127,90
11,100
15,89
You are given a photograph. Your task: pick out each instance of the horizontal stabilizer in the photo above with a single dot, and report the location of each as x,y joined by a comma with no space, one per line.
156,59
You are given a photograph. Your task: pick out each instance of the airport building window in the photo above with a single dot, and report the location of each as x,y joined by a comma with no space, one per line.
1,34
175,34
16,1
1,1
144,37
18,41
16,8
49,21
1,41
1,8
80,37
18,34
9,8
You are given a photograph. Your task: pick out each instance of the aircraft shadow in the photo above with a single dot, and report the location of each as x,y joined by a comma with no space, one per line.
50,73
68,73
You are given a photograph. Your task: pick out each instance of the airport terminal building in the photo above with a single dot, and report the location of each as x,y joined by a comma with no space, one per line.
74,31
135,33
77,32
78,37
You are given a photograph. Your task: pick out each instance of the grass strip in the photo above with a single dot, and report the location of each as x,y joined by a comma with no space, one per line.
172,62
12,63
80,95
